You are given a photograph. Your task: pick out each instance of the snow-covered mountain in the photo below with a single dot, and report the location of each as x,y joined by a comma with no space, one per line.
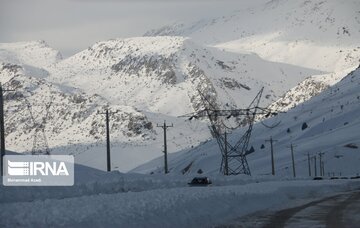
295,49
150,73
327,123
33,56
146,80
320,34
67,118
72,120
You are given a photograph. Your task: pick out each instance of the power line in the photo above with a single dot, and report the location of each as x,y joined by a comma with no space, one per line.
165,127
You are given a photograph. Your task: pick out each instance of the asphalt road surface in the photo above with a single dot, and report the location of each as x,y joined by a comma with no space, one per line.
338,211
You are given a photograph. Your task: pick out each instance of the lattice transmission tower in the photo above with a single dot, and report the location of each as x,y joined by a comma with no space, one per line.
233,160
40,143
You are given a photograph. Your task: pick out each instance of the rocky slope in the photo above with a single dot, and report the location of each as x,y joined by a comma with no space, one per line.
321,34
150,73
35,105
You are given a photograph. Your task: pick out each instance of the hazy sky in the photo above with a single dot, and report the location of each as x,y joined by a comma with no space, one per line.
73,25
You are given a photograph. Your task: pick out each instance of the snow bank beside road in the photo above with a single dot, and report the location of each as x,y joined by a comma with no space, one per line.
179,207
89,181
101,183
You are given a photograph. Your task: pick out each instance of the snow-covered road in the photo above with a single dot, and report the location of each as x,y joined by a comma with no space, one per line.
176,207
341,210
337,211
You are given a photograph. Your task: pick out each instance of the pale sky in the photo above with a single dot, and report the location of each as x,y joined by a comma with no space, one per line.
73,25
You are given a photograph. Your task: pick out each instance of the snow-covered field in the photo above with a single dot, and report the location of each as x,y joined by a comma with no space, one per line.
143,201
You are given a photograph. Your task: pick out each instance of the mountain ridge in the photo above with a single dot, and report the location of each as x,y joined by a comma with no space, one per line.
158,78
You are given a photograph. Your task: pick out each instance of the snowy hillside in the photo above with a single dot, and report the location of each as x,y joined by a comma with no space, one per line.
308,88
318,34
33,56
70,118
151,72
139,78
67,118
327,123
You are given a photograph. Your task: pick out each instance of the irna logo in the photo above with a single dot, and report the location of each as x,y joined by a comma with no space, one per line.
37,168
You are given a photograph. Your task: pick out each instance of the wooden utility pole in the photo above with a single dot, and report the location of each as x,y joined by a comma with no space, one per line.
309,162
272,155
108,158
2,128
164,127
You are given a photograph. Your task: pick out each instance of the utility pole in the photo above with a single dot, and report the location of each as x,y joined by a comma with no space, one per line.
272,155
226,156
315,165
292,159
308,155
164,127
2,128
321,163
108,159
108,163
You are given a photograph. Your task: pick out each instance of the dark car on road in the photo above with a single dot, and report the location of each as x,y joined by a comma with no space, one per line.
200,181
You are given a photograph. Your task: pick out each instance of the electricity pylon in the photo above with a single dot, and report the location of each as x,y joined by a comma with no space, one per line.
40,143
233,160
